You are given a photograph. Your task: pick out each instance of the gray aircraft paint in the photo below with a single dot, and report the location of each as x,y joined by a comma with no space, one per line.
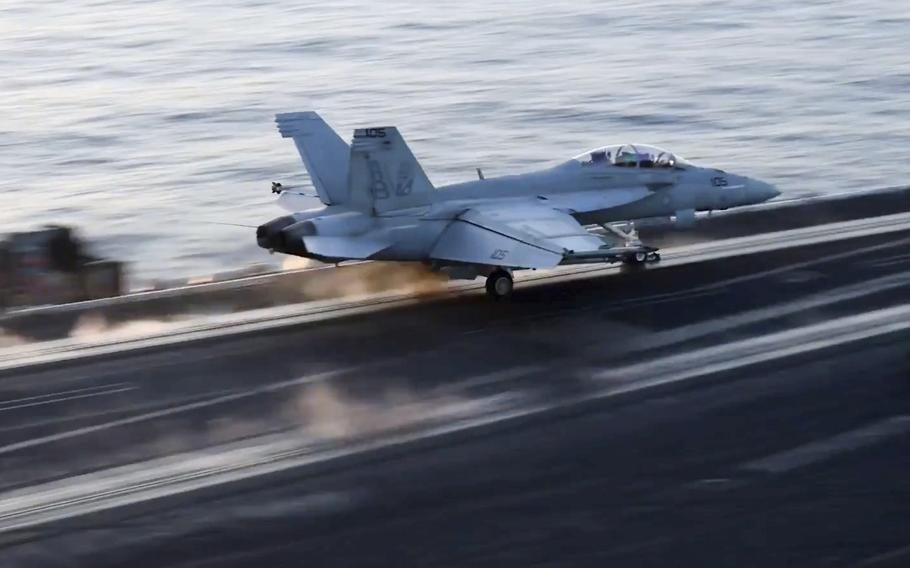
391,211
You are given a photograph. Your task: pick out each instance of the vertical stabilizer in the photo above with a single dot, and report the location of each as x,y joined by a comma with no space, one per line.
325,155
384,174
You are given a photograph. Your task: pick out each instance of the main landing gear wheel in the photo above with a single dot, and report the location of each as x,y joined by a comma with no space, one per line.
499,284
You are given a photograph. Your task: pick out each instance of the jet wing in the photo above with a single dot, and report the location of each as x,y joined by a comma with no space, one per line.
517,235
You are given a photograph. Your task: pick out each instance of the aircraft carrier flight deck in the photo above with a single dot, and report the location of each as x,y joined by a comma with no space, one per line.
743,402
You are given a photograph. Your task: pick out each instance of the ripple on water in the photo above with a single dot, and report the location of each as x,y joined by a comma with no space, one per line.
134,120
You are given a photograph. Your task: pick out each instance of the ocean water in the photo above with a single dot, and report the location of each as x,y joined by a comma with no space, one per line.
142,123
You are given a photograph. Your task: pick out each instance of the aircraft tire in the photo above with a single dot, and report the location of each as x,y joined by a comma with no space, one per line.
635,259
499,284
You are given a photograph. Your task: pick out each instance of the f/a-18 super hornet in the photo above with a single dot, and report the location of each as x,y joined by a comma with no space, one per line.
380,205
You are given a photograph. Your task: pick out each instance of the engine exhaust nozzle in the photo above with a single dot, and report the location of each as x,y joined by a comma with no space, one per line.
268,235
291,237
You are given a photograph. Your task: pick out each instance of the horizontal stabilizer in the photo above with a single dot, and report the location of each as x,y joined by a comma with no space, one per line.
344,247
294,201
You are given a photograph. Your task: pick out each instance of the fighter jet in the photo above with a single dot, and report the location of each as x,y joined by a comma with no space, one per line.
380,205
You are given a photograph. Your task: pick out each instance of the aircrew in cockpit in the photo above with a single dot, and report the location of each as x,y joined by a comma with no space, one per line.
632,155
625,159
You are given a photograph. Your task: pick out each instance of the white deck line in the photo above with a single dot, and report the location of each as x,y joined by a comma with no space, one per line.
822,450
763,348
174,475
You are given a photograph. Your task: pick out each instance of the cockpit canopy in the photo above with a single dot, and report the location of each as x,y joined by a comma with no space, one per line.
632,156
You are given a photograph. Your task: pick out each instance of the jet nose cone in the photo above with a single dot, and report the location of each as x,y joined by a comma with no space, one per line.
761,191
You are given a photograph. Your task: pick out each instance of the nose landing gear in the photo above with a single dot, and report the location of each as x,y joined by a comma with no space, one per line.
629,235
642,257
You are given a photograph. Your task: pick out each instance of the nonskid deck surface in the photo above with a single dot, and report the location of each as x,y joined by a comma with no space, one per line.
419,411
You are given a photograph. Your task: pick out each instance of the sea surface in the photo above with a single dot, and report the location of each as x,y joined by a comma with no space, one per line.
145,123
